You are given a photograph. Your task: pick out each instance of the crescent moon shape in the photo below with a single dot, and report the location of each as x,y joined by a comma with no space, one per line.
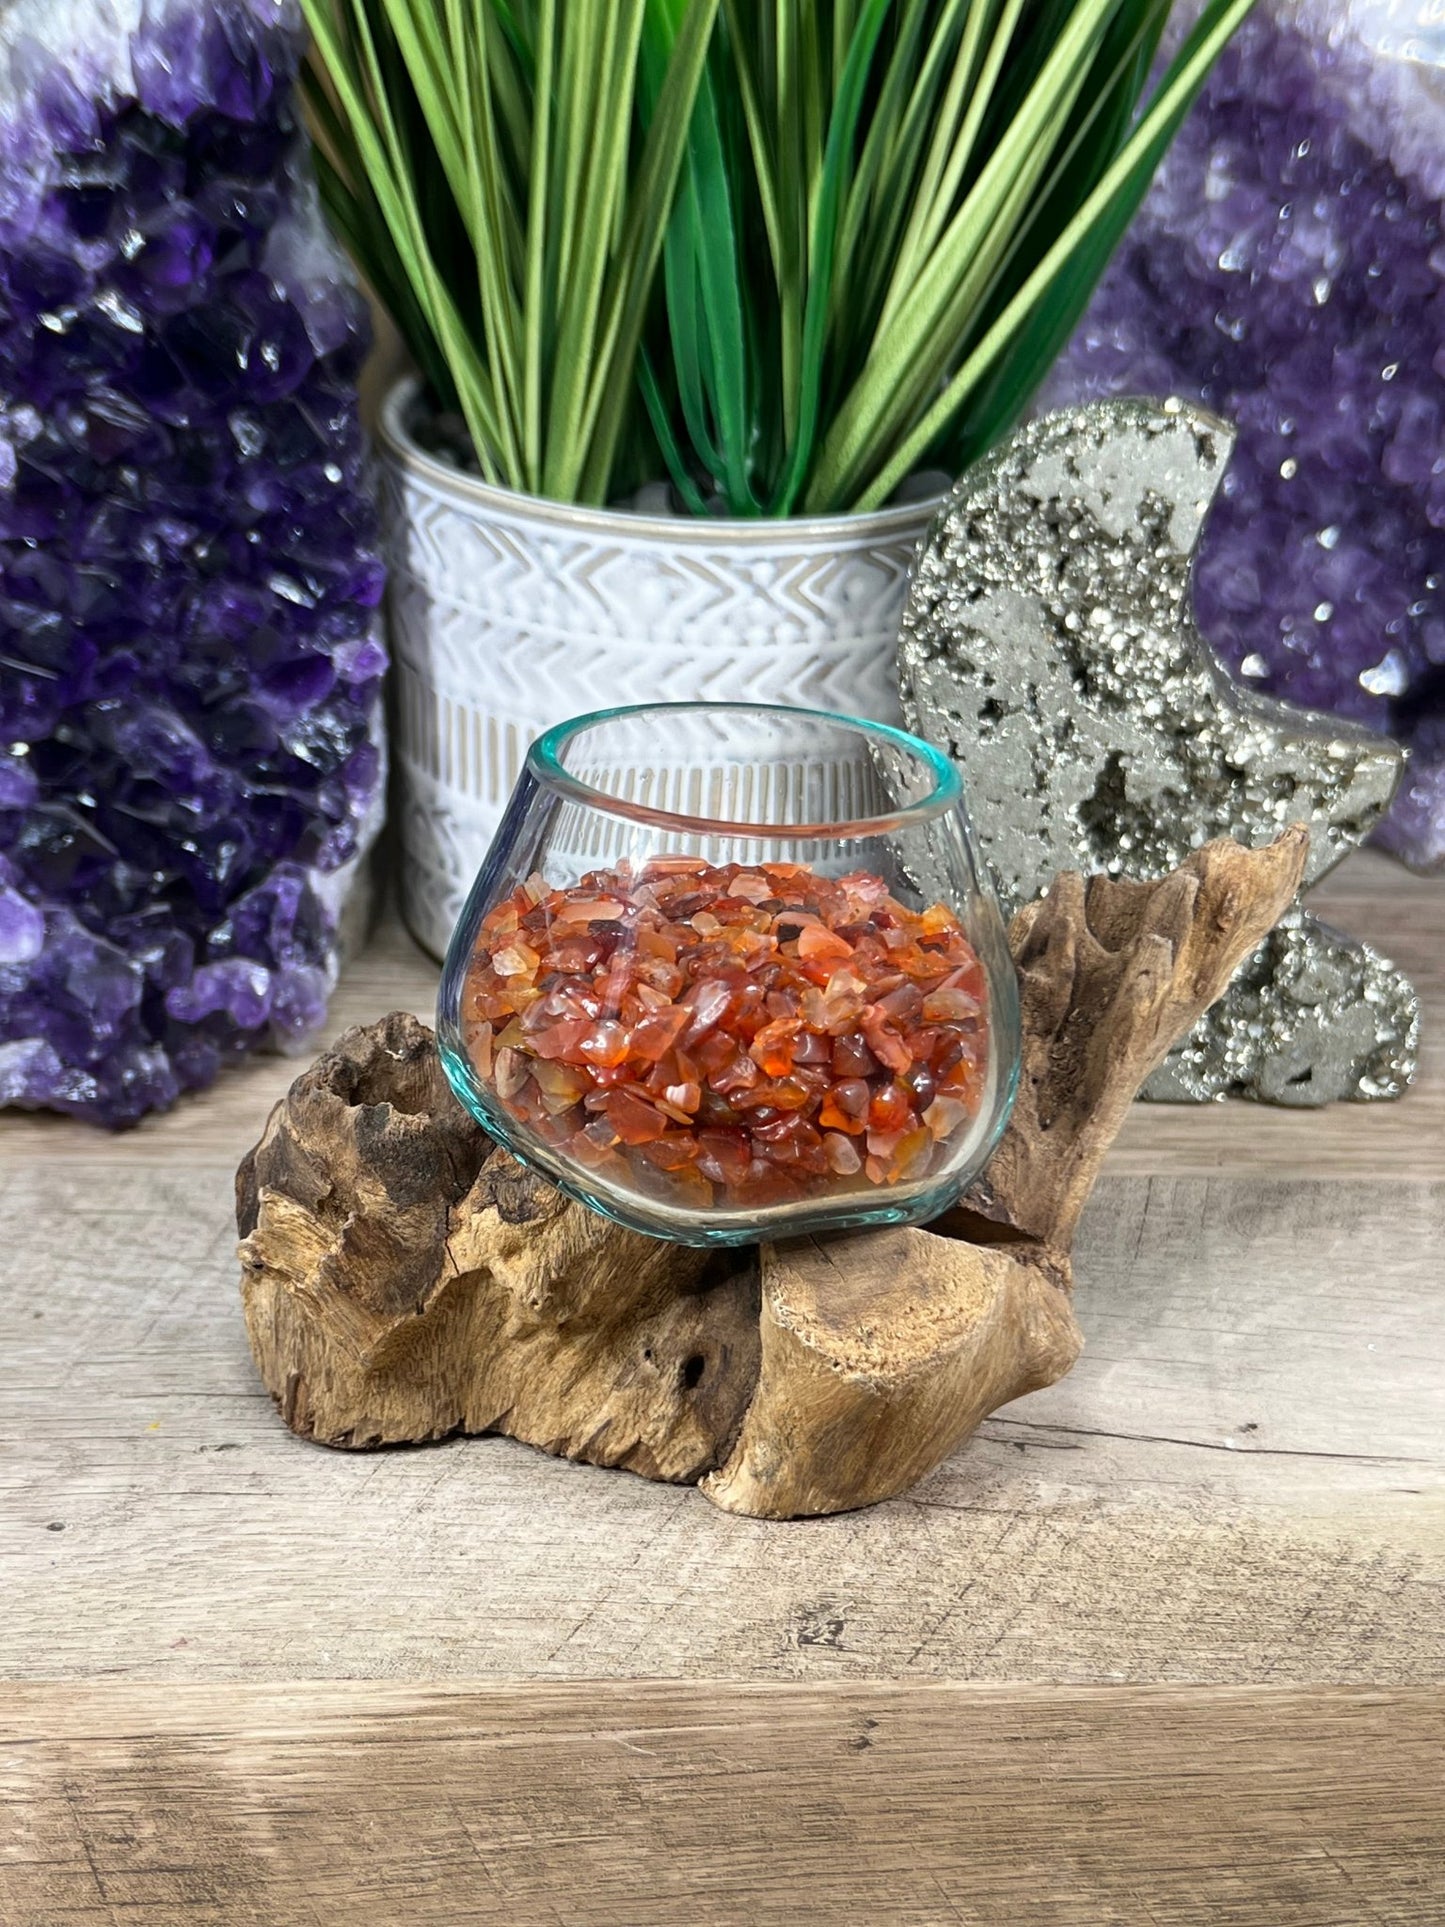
1049,647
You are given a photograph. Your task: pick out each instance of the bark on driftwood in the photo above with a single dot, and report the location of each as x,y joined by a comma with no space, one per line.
403,1279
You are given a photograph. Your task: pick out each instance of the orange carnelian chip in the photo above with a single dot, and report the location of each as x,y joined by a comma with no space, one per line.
842,1156
911,1158
716,1051
845,1108
891,1109
883,1040
684,1097
587,910
851,1057
781,1094
657,1033
772,1048
949,1006
605,1043
479,1047
634,1121
740,1073
560,1040
817,944
944,1116
515,959
670,1153
673,866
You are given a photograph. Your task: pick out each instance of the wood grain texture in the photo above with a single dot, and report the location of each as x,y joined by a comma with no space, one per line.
1111,975
1232,1485
1402,915
404,1280
1241,1480
649,1805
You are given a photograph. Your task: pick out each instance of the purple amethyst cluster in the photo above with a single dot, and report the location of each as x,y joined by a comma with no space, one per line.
1288,271
190,759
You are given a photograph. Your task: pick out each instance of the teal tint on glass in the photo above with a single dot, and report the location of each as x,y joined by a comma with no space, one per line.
683,785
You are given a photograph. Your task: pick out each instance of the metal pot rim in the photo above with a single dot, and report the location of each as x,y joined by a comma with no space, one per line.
903,522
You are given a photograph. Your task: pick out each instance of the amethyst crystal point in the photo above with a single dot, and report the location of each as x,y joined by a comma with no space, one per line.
1288,271
190,665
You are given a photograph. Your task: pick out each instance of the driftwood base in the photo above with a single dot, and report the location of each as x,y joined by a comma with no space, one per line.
403,1279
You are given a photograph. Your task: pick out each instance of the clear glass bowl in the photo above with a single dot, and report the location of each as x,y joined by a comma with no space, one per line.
732,971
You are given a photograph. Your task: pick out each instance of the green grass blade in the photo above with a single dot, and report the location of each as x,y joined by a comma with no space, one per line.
765,160
687,330
683,250
794,174
492,226
578,36
667,441
912,351
605,50
909,88
1005,393
648,212
815,91
366,238
1093,138
1087,241
968,95
536,334
361,93
705,309
721,294
417,30
841,131
513,74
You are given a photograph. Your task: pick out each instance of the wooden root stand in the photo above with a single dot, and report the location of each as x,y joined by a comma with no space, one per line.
403,1279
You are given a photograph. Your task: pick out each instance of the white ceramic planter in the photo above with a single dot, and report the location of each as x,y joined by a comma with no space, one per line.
509,614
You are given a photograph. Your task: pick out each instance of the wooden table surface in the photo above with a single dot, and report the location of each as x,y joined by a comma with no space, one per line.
1164,1642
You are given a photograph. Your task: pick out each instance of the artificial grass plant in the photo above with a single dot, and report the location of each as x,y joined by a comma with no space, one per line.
786,252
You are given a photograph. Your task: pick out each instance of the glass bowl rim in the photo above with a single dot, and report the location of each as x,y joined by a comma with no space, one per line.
543,759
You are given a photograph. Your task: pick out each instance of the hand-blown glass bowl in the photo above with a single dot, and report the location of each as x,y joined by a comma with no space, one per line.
732,971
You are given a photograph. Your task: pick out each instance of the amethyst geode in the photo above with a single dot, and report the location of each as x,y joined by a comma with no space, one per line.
1288,271
190,666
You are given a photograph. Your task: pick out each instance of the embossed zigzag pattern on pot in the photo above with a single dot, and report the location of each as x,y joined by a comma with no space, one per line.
505,620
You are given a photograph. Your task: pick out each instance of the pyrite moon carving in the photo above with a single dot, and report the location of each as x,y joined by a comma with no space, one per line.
1049,647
